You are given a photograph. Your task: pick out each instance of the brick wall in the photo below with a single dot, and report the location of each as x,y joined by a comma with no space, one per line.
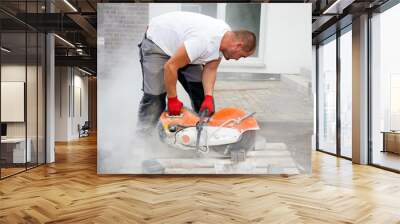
120,29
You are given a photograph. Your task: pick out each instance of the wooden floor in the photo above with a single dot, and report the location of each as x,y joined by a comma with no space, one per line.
70,191
387,159
10,171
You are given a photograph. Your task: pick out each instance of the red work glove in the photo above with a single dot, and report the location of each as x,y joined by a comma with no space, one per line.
174,106
208,103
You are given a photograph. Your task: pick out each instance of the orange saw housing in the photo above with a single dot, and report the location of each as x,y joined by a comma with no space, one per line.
189,118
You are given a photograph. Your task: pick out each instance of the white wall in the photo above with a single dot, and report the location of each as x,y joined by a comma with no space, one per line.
33,126
61,103
12,73
12,101
79,117
68,81
288,38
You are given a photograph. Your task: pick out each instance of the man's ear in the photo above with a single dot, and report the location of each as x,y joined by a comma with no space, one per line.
239,45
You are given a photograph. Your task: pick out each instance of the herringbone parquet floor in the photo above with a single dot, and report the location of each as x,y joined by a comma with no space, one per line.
70,191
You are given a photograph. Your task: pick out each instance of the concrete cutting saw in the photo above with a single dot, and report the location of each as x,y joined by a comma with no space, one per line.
230,132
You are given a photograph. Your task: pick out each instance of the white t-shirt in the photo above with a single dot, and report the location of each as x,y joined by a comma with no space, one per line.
200,34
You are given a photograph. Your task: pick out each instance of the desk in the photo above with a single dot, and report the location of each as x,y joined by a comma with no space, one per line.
391,141
16,147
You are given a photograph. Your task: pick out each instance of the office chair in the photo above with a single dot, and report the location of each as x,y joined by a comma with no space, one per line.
84,130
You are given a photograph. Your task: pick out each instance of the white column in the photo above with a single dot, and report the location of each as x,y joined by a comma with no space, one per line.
360,90
50,110
50,93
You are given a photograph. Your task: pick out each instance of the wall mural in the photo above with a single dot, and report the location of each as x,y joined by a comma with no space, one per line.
204,88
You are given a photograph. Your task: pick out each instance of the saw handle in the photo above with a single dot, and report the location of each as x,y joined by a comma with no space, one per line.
203,114
199,126
174,116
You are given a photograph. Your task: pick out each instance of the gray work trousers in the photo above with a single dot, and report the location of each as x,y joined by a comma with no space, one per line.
153,102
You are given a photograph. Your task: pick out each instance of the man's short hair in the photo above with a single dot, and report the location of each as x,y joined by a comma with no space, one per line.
248,38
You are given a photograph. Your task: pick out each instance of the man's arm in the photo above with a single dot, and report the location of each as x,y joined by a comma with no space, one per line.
177,61
209,76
